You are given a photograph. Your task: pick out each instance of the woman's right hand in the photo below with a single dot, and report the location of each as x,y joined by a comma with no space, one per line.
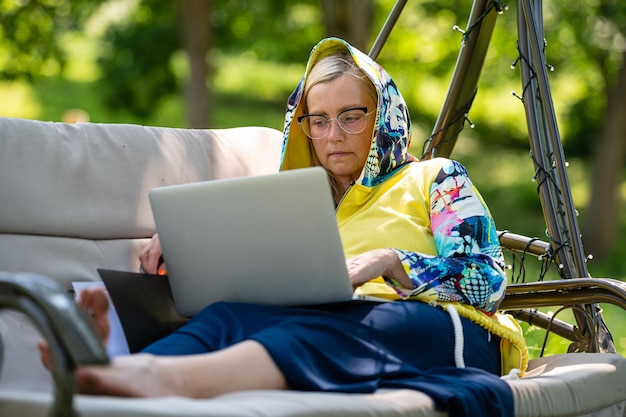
151,258
375,263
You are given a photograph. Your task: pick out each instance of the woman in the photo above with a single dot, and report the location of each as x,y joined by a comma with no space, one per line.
416,233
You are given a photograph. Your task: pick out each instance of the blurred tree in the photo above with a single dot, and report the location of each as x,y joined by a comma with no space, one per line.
198,38
135,58
137,64
600,230
31,32
587,44
350,20
136,55
608,50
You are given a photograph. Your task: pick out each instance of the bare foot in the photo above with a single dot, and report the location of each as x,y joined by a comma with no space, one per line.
128,376
96,303
140,375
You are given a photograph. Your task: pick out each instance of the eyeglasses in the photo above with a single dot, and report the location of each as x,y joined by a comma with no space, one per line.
351,121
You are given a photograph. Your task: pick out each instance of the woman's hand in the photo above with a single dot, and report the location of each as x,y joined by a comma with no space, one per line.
151,258
375,263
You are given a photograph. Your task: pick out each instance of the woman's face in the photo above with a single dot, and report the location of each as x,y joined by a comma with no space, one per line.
341,153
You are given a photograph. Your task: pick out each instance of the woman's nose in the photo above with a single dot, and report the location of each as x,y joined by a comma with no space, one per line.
335,132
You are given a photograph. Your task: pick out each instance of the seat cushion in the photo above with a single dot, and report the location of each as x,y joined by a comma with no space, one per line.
400,403
572,384
575,384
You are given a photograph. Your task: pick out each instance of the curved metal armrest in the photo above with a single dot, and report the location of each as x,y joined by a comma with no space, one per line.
65,326
565,292
521,243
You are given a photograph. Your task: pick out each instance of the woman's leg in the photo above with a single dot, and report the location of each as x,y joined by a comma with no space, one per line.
246,365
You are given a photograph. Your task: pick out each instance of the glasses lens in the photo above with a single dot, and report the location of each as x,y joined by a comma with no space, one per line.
352,121
315,126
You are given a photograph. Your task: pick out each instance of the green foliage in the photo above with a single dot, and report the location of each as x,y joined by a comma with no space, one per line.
31,33
583,124
135,59
587,46
274,29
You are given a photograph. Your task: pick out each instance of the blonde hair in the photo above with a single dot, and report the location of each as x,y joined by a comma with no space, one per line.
337,63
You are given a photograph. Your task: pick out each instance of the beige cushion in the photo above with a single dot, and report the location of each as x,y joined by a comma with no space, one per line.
68,259
91,181
572,384
74,198
558,386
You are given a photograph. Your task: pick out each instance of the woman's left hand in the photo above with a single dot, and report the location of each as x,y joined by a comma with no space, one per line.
375,263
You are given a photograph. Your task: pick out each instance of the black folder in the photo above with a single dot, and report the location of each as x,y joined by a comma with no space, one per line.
144,305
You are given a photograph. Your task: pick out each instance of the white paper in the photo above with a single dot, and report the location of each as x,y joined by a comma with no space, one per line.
117,344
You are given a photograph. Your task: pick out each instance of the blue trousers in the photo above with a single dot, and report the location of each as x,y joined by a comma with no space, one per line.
358,346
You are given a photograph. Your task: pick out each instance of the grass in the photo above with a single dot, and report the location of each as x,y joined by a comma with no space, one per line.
245,97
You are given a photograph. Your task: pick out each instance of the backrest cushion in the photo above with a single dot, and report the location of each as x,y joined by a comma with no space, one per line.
74,197
92,180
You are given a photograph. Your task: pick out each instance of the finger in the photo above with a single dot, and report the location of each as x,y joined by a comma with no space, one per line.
147,262
44,354
151,256
153,264
144,256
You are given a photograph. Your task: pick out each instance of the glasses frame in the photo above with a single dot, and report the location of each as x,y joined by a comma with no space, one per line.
336,119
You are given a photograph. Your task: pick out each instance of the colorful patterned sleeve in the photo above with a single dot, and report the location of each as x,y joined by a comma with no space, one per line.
469,267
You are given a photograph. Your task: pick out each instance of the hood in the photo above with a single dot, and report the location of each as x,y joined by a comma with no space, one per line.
392,131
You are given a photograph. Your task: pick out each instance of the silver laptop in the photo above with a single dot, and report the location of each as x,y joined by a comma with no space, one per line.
270,239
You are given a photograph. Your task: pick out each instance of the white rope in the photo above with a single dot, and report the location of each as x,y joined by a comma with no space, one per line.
512,375
459,341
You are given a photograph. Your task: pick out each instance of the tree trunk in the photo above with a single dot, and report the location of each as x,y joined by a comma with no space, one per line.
602,212
197,38
350,20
